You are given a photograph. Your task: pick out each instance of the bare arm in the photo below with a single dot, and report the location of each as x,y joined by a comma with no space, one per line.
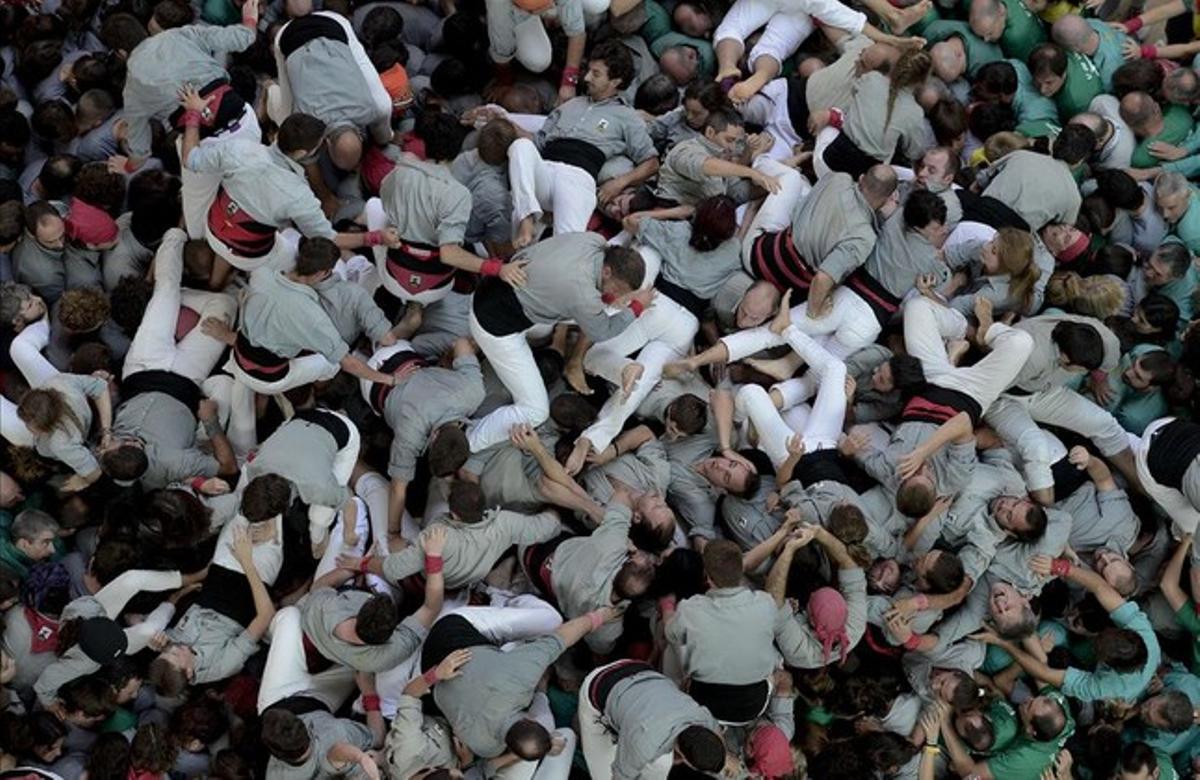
355,366
396,497
1171,589
433,541
264,610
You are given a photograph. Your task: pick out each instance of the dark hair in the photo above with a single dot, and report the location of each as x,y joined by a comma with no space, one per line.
656,95
702,747
12,221
572,412
1081,344
1137,76
987,119
300,133
907,373
128,301
1096,215
721,118
1160,312
90,694
995,80
1159,365
949,121
713,223
527,739
265,496
1035,522
126,463
153,749
1176,256
1121,649
449,450
230,765
1047,727
887,751
54,120
466,501
723,563
689,413
316,254
57,177
626,265
376,620
442,133
617,61
494,140
175,518
1110,259
123,32
946,574
915,498
1048,58
285,735
382,24
923,207
1177,711
172,13
14,128
978,734
167,678
38,60
1074,144
1119,188
1138,757
109,757
633,579
112,558
201,718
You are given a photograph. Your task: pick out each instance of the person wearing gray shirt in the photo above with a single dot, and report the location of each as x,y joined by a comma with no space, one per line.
315,744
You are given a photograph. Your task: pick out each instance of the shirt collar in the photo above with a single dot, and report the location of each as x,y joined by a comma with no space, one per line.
283,161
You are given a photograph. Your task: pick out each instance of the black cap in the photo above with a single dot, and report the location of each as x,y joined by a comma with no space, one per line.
102,640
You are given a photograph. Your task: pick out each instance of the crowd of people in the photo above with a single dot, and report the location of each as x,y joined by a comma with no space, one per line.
607,389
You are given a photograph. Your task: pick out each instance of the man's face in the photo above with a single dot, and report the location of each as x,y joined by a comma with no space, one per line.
732,141
39,548
1048,84
1010,511
51,233
757,305
1172,207
10,491
695,114
935,233
727,474
1058,237
654,512
1115,569
884,576
943,683
1137,377
933,173
1005,604
923,565
882,378
989,27
599,85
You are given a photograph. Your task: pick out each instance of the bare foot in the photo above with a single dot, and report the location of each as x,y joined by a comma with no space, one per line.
410,322
779,369
956,349
576,377
743,91
629,377
678,368
983,313
903,18
557,745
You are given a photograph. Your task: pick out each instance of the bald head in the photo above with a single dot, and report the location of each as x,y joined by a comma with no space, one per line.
1074,34
949,59
878,184
1142,113
1094,122
345,148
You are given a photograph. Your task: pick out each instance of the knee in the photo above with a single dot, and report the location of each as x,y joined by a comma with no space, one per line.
521,149
534,57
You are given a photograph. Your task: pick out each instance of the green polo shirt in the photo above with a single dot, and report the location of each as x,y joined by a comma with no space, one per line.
1177,125
1135,409
1108,55
1190,621
1023,31
1188,226
1081,85
1026,758
979,52
1037,115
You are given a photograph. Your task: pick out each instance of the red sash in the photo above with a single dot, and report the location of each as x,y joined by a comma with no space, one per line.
237,229
417,268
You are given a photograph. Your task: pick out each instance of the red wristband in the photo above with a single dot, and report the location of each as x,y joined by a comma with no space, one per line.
1060,567
130,167
922,601
1149,52
373,238
433,564
1134,24
835,118
596,619
364,563
370,702
637,308
430,677
913,642
192,118
570,77
491,267
197,483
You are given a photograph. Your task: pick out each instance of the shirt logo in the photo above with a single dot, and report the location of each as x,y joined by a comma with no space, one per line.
602,125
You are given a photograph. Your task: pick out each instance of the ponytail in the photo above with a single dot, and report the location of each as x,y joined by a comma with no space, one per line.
46,410
1014,249
909,72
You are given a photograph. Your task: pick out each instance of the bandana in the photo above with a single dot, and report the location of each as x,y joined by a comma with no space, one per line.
395,81
187,319
827,613
1073,250
89,225
769,753
533,6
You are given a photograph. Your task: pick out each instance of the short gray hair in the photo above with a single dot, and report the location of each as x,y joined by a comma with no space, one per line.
1170,183
12,297
31,524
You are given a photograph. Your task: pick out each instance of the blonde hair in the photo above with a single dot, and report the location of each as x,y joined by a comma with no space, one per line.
1094,296
1002,143
1014,250
910,71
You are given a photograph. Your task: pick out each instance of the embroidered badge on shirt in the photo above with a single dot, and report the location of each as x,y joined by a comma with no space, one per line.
602,125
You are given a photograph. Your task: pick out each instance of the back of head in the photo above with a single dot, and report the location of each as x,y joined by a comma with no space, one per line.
995,80
1074,144
83,309
316,255
90,696
169,14
1138,110
878,183
922,208
449,450
907,373
442,133
713,223
702,748
1140,75
1119,188
285,735
376,620
1121,649
946,574
382,23
528,739
494,140
1175,256
153,749
466,501
122,32
626,265
572,412
723,563
1160,312
635,577
265,497
689,413
1071,32
1138,758
300,133
125,463
1080,343
1048,59
721,118
656,95
948,118
129,299
915,497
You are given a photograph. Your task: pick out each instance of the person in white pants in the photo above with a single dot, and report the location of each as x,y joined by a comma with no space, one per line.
1182,510
823,426
286,673
516,29
568,192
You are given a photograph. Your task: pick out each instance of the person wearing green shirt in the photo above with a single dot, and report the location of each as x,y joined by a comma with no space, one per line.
32,538
1166,720
1045,726
1126,656
1151,124
977,51
1008,22
1067,77
1037,115
1135,392
1179,203
1141,762
1187,610
1095,40
1170,271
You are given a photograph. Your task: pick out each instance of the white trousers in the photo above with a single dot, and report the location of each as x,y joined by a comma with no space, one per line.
663,333
542,186
823,425
769,108
1184,516
242,421
516,33
154,346
321,517
824,138
286,673
199,189
926,327
600,742
337,545
788,23
777,208
512,360
849,326
25,350
373,488
377,220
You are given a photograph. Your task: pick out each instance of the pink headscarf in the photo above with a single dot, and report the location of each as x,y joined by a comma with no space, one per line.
769,752
827,613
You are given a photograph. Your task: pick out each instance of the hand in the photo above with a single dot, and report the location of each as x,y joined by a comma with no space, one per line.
792,520
348,562
1041,565
206,410
433,540
1166,151
117,163
818,121
910,464
611,614
242,548
632,223
815,312
1102,392
899,626
931,721
927,286
214,486
609,190
803,536
737,457
391,237
218,329
772,502
407,370
854,442
1079,457
906,607
1131,49
988,637
795,447
524,437
190,99
565,93
451,666
758,143
768,183
578,455
514,274
159,642
783,318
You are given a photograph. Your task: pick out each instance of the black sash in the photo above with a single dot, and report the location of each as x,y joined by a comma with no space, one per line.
883,304
228,592
731,703
685,298
845,156
605,681
379,393
182,389
333,425
453,632
989,211
498,309
259,362
309,28
229,109
936,405
573,151
1173,448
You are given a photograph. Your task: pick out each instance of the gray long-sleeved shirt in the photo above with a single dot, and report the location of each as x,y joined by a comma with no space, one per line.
799,644
325,608
426,203
648,712
584,569
429,398
609,125
303,453
834,227
1042,369
727,635
286,318
1037,187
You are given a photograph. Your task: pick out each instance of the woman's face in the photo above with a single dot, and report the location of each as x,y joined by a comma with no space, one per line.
990,258
1058,237
695,114
50,753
